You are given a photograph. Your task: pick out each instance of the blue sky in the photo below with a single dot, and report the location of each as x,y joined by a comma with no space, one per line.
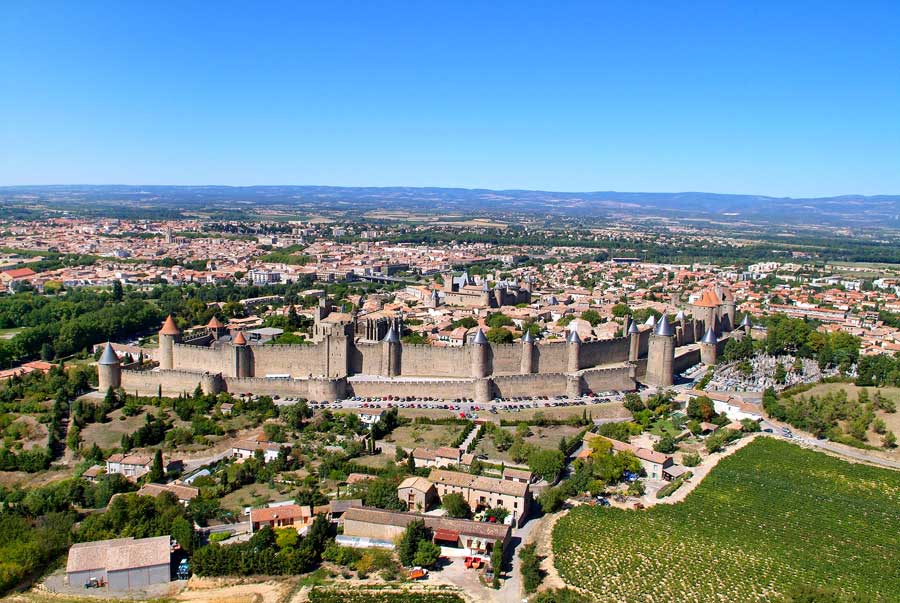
778,98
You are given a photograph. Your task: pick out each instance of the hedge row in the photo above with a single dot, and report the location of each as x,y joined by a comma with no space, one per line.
669,488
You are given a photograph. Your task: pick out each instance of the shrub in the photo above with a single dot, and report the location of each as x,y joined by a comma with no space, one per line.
690,459
530,568
671,487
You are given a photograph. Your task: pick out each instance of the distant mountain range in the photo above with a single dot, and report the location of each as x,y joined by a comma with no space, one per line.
846,210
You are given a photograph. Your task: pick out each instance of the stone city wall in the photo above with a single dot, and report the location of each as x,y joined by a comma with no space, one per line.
198,358
173,382
606,351
685,359
547,384
433,361
443,389
609,379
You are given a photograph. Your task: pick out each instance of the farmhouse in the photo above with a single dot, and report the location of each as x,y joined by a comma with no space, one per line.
417,493
522,476
123,563
733,407
472,537
482,492
282,516
436,457
370,416
184,494
245,449
654,463
131,466
93,473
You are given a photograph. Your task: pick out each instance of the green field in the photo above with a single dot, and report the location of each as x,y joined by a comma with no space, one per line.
767,518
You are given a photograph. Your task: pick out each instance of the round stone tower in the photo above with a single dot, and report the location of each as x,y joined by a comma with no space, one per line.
485,294
573,347
168,335
729,309
708,348
573,386
661,354
109,369
434,300
243,359
216,328
527,364
484,390
746,325
480,349
391,350
634,342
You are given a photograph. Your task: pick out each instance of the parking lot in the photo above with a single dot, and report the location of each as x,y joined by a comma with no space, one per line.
462,407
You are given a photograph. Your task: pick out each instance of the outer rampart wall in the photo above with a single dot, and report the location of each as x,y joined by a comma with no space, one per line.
609,379
548,384
174,383
684,359
446,390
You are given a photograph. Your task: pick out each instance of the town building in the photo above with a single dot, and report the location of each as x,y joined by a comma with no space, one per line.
417,493
367,526
482,492
123,563
445,456
184,494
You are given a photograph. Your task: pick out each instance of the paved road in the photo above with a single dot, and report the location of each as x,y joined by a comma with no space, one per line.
472,435
193,464
808,439
511,590
849,452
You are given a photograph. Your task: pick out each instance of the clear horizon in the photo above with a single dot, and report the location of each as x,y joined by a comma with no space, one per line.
763,99
391,186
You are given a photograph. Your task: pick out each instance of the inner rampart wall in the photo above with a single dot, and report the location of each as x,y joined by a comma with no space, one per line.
551,357
199,358
433,361
605,351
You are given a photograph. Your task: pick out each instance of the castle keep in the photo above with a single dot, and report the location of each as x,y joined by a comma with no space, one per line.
343,362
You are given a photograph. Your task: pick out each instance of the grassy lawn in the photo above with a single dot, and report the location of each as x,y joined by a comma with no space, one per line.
375,460
546,438
252,495
10,333
109,434
664,427
767,518
429,436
